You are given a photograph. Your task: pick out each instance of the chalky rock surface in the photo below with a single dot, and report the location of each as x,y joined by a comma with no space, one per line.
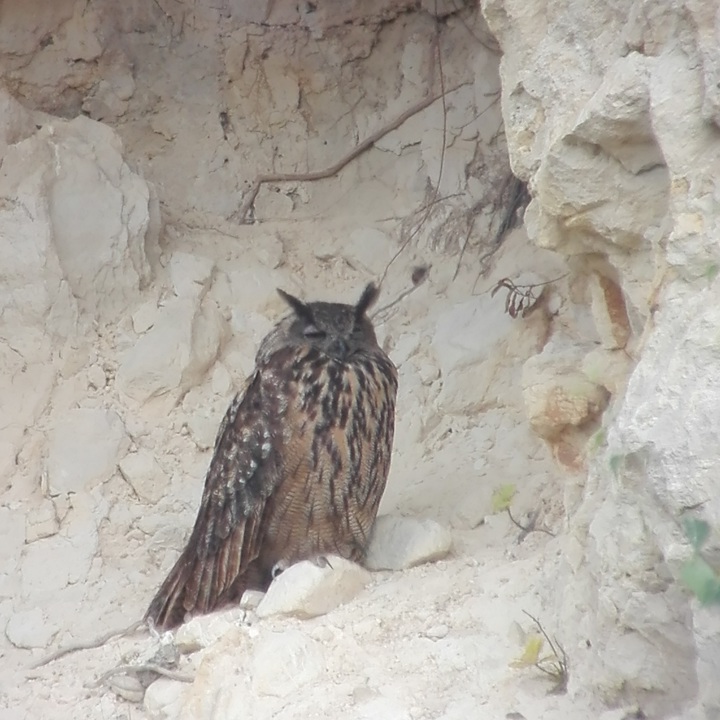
310,588
398,542
134,293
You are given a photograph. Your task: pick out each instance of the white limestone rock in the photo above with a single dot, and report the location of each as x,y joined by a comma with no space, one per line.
285,662
221,381
399,542
204,630
91,222
615,132
51,564
617,116
143,473
12,535
190,274
465,344
41,521
612,210
96,377
174,354
145,317
85,447
164,699
368,250
308,589
17,122
127,686
251,599
30,629
204,411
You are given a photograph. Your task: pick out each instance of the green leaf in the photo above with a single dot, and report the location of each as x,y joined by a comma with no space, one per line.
531,652
702,580
697,531
502,498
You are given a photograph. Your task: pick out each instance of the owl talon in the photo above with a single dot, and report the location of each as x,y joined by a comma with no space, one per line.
322,562
278,568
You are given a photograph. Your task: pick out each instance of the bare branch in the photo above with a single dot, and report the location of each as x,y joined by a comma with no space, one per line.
249,199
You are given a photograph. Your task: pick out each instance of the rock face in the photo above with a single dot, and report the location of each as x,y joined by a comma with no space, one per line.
84,249
615,126
84,450
124,335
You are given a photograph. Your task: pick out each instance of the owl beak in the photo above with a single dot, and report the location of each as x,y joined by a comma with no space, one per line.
338,349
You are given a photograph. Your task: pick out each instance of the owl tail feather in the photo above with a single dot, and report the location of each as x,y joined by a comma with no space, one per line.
168,608
198,585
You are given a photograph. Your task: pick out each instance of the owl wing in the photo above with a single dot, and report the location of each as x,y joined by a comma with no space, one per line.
227,536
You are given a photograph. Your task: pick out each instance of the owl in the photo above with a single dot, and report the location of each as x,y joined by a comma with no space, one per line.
300,460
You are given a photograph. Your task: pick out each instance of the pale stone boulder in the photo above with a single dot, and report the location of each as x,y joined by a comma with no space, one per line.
163,699
204,630
310,588
11,546
616,131
399,542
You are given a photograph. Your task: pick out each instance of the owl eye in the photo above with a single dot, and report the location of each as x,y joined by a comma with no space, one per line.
313,331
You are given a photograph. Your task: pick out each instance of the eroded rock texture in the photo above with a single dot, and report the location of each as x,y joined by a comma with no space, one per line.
611,114
137,279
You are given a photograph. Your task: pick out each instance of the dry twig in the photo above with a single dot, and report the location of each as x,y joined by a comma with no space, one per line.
249,199
530,527
87,644
436,191
137,669
521,299
555,666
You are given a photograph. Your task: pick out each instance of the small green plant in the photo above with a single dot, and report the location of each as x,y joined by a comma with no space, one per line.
554,665
697,574
502,499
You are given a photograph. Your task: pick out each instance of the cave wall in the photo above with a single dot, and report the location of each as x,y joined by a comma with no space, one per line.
134,296
611,113
124,334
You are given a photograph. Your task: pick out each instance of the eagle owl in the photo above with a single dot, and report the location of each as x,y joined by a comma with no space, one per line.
300,460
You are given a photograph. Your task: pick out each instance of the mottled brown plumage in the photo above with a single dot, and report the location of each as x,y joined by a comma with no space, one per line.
300,460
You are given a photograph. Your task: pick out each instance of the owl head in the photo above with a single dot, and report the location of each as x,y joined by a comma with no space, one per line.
337,330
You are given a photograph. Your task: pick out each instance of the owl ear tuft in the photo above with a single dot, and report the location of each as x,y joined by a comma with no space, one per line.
368,297
298,306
